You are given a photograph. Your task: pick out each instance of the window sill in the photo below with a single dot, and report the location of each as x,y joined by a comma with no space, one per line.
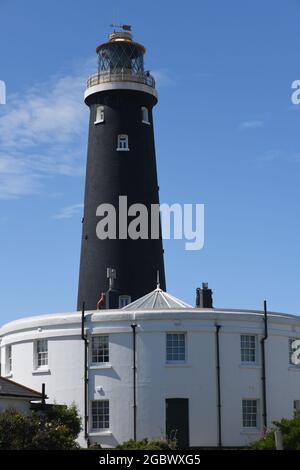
250,431
249,365
177,364
100,433
122,150
99,122
146,122
41,371
100,366
294,367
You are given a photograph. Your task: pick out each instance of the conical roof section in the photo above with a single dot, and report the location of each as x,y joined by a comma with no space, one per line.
157,300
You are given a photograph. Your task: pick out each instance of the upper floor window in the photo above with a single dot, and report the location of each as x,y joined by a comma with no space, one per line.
100,349
41,353
124,300
294,353
8,359
250,413
100,414
145,115
123,144
248,348
176,347
99,114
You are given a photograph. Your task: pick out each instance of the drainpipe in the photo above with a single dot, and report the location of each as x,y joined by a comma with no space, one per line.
218,327
263,358
134,326
86,380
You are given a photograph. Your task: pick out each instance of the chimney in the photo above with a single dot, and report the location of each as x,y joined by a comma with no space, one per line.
204,296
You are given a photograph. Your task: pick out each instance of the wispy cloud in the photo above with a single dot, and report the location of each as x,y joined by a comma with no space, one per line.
250,124
69,212
43,134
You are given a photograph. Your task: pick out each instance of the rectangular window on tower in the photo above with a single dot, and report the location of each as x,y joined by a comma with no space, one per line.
100,349
145,115
123,144
248,349
176,347
100,415
99,115
124,300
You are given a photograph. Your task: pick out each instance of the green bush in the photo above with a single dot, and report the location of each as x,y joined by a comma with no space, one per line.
55,429
290,429
145,444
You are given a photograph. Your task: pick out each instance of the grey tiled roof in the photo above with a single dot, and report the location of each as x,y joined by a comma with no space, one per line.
157,300
8,388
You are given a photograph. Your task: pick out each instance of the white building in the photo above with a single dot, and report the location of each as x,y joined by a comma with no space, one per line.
14,395
179,386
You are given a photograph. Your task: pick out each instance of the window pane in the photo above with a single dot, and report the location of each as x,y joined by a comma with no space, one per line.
42,352
100,414
175,347
100,349
248,348
249,413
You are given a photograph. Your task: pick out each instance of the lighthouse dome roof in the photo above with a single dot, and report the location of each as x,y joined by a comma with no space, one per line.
157,300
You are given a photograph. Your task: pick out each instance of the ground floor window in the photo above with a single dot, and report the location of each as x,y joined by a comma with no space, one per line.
250,413
100,414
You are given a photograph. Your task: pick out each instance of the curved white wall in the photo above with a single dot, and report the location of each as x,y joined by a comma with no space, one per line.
156,380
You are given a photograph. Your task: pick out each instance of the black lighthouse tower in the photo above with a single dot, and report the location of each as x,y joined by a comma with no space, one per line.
121,162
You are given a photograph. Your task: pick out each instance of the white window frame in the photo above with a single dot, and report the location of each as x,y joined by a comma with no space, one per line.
124,300
104,352
100,114
257,415
8,359
41,354
168,347
123,143
249,362
291,351
105,420
145,115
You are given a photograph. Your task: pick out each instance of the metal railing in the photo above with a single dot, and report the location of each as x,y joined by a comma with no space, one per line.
124,76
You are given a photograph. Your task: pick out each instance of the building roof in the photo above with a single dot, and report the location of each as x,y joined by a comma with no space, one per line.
8,388
157,300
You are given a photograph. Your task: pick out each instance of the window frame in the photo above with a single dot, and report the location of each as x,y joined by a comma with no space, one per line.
104,419
257,415
123,139
41,356
126,298
103,353
100,118
249,362
8,359
145,115
171,360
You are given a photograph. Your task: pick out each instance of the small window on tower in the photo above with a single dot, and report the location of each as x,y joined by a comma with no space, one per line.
123,143
99,115
145,115
124,300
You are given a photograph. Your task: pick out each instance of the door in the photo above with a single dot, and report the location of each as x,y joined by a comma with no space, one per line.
177,421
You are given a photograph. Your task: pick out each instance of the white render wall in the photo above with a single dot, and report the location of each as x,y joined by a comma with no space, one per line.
20,404
156,380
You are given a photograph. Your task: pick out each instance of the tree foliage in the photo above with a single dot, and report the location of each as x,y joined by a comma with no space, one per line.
57,428
290,429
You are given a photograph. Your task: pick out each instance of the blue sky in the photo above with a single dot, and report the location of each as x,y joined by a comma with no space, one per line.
227,135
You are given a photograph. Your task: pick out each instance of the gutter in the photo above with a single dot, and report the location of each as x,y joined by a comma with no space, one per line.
263,377
134,326
86,374
218,327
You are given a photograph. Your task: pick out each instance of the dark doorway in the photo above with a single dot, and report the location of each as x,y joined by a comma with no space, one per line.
177,421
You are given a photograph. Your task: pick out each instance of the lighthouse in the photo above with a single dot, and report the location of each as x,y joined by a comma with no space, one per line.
121,162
